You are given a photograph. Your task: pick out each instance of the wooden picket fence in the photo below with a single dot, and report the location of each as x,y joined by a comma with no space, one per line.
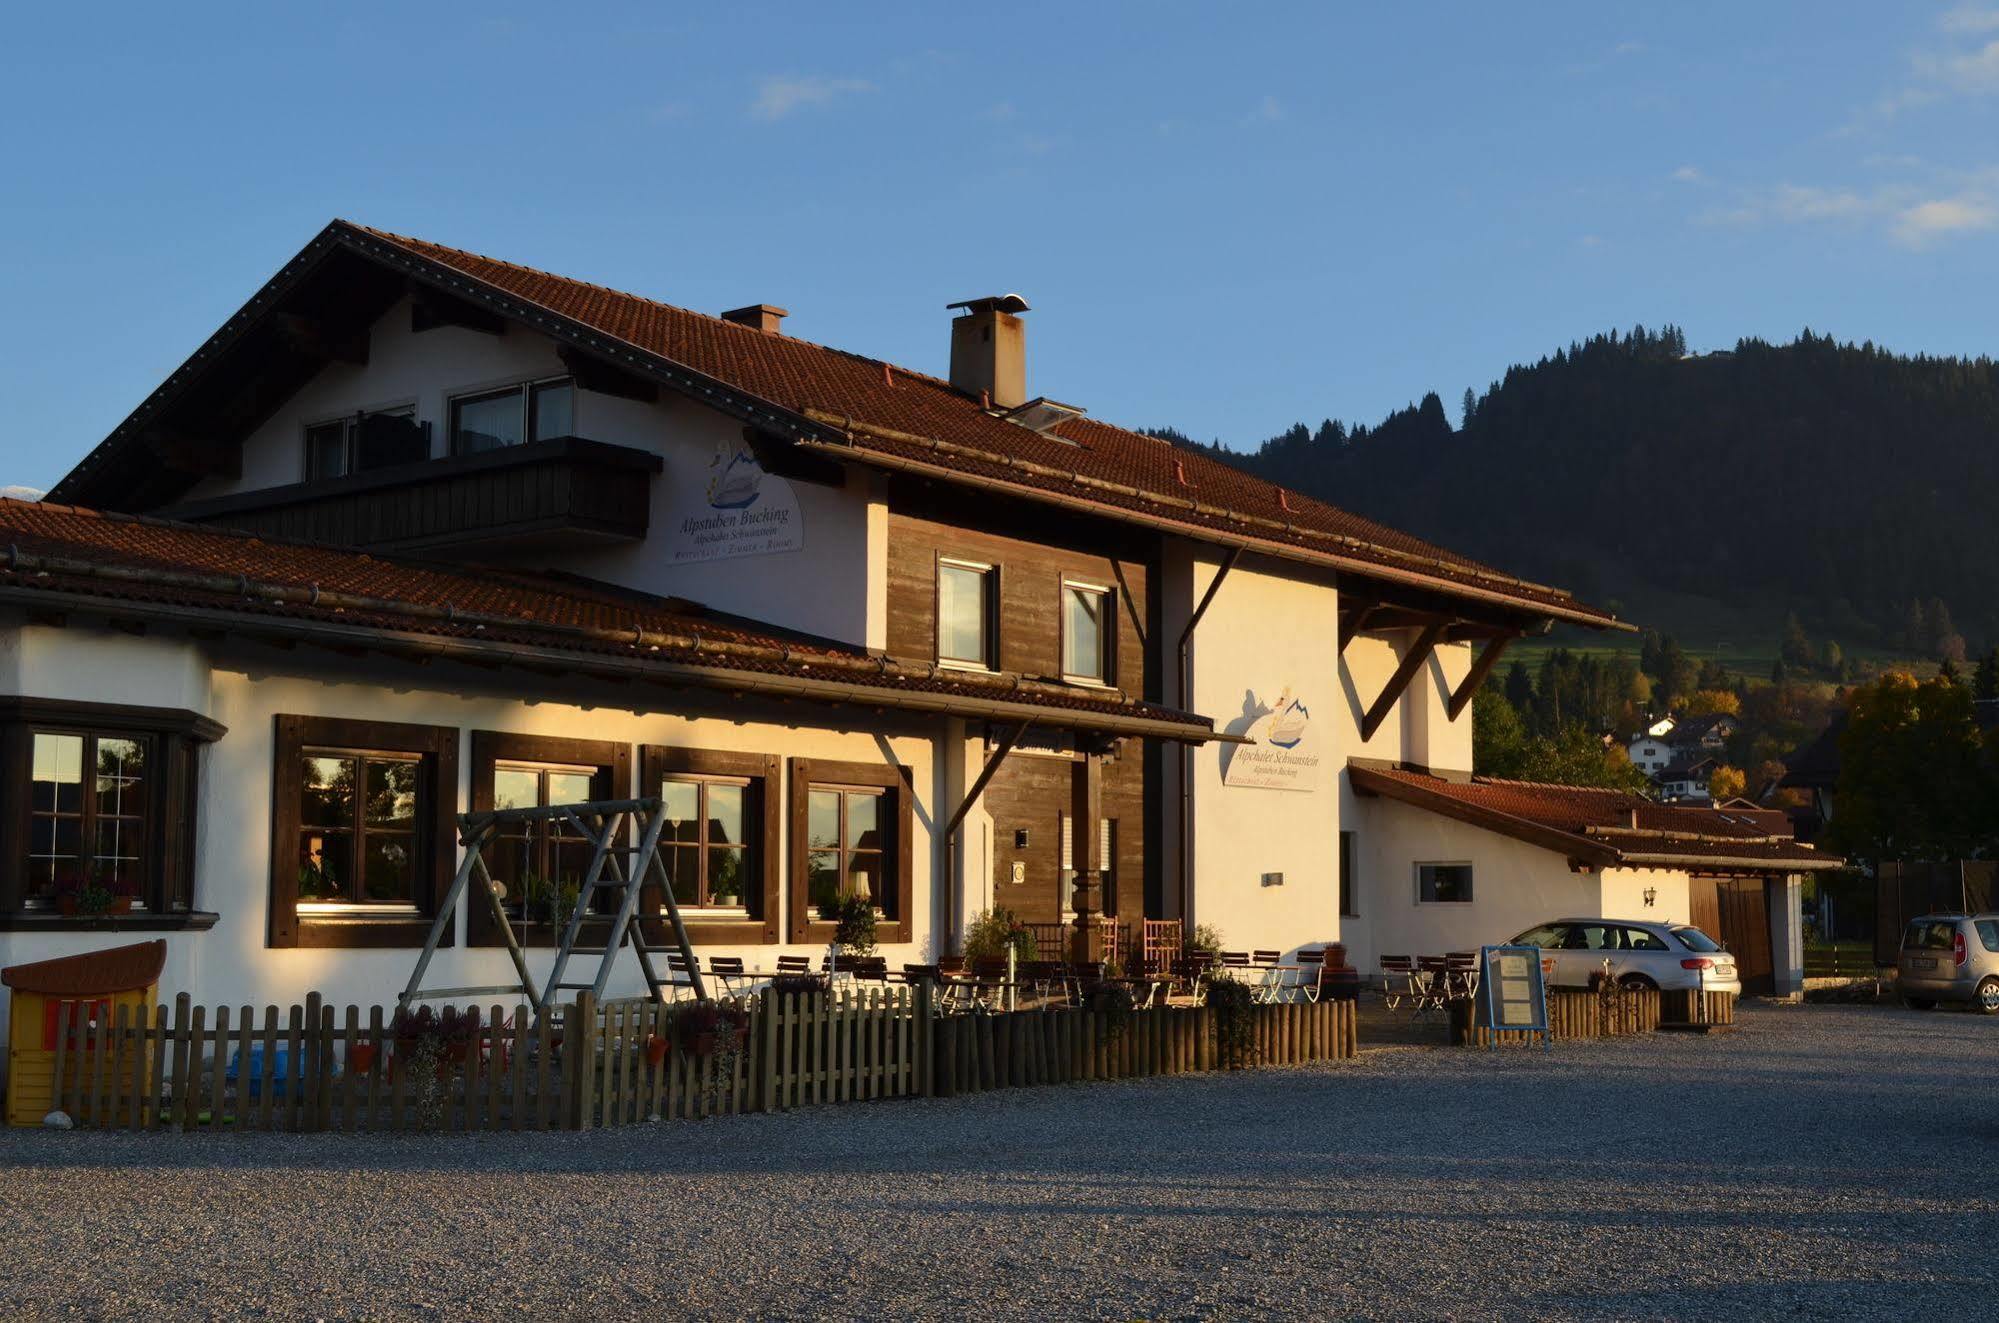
1060,1046
202,1068
1577,1013
616,1064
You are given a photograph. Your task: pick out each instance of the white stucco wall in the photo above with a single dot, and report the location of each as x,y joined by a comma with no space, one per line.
1266,633
231,963
835,585
1515,886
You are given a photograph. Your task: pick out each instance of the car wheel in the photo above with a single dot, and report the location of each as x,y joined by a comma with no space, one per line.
1919,1003
1637,983
1986,1000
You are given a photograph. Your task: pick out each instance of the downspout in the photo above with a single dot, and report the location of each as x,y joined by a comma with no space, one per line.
1186,751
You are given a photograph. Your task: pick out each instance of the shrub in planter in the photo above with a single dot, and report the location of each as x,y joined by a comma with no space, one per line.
1234,1005
853,924
993,932
1206,939
1112,1001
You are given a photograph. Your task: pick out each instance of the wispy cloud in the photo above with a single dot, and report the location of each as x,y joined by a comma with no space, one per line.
1942,218
1688,174
21,493
1913,215
779,96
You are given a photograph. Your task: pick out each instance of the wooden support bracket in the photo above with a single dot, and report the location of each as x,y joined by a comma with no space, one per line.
1354,621
594,374
1488,657
1398,683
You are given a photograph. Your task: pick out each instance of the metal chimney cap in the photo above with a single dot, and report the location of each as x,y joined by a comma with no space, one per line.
1008,303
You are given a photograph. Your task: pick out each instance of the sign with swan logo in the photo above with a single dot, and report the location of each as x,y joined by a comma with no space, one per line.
1283,757
740,510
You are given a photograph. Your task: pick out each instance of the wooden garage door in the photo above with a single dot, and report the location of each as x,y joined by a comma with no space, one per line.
1745,926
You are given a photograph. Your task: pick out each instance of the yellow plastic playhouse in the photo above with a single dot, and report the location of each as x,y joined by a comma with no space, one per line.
97,983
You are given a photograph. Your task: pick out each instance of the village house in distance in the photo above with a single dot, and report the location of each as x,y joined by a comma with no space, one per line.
418,531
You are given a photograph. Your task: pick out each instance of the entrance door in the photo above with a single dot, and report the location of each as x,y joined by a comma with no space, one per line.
1734,911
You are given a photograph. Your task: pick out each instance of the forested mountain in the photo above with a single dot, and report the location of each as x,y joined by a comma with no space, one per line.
1853,486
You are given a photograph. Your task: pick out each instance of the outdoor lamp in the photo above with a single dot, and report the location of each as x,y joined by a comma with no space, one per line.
1651,896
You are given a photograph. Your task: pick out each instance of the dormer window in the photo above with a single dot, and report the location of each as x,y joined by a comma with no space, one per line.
530,411
361,441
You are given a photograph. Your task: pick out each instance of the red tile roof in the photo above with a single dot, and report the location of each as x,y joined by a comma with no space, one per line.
823,384
876,412
93,973
1600,826
135,562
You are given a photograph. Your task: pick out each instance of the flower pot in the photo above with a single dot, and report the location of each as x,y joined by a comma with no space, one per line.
361,1059
704,1043
1336,956
66,904
120,905
656,1048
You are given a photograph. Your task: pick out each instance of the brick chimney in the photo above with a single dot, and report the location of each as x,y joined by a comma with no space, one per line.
758,317
989,349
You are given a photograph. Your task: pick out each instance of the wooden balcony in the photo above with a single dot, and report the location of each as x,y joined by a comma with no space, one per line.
563,492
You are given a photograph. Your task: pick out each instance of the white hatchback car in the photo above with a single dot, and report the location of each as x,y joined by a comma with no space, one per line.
1637,952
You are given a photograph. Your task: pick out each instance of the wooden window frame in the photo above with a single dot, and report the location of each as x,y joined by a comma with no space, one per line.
765,773
437,748
611,779
899,852
991,572
174,737
1107,638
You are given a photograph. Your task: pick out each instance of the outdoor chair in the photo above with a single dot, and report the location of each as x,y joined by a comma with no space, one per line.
1191,972
989,983
794,964
1398,979
729,969
1047,978
1234,960
1461,974
951,966
868,969
1434,975
1310,982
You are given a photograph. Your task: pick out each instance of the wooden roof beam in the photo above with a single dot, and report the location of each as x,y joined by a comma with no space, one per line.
315,338
594,374
1398,683
1354,621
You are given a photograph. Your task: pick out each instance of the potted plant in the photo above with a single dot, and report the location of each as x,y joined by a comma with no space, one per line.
854,920
76,895
706,1028
657,1046
361,1058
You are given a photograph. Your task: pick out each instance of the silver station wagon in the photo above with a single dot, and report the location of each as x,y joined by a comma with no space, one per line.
1950,957
1636,952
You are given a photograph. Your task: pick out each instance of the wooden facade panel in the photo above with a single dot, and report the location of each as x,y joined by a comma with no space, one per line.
1031,793
1030,585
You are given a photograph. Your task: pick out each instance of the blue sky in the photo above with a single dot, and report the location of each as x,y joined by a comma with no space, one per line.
1227,218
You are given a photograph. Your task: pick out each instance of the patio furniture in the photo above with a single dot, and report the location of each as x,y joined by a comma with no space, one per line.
1461,974
1313,964
1191,972
729,969
1399,979
794,964
1434,973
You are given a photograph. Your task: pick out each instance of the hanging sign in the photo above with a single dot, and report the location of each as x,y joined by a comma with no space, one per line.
1284,756
1516,999
739,510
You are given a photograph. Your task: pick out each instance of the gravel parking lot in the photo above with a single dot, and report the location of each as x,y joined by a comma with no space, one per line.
1822,1162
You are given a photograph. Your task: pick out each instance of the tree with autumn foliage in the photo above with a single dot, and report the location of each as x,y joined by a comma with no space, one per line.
1726,783
1712,702
1917,779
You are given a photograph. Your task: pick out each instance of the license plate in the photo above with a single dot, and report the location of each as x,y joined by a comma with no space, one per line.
1923,962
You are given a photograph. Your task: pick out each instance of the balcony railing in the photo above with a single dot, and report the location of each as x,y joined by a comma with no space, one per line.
561,492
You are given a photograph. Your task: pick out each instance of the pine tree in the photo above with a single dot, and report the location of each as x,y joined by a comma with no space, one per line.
1948,672
1468,410
1985,682
1796,648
